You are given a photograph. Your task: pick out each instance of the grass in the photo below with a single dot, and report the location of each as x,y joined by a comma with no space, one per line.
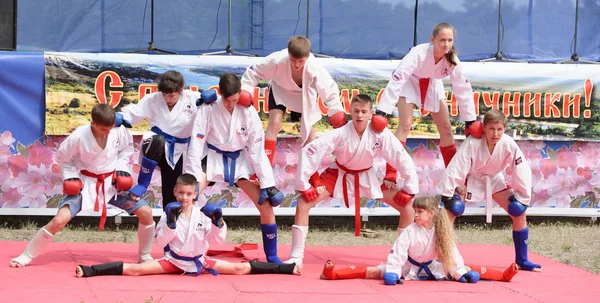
568,243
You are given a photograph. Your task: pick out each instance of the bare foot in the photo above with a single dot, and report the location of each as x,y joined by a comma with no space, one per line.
537,270
327,270
297,270
78,272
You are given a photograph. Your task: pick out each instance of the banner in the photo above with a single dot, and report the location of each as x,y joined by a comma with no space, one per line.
542,101
22,95
553,112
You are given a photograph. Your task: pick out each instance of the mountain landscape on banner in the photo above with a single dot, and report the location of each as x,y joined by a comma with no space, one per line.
72,85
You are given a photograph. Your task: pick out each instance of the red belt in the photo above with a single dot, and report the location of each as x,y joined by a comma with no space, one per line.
356,193
99,183
423,86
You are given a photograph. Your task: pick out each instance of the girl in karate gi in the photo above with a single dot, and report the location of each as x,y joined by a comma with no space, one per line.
417,81
424,251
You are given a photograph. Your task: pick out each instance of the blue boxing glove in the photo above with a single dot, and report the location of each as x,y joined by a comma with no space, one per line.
173,210
515,208
119,120
214,212
207,97
454,204
271,193
470,277
390,278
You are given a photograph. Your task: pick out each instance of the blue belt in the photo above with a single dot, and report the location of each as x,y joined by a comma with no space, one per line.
423,267
170,142
229,169
196,260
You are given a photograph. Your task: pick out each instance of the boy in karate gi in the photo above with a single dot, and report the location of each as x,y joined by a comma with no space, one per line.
228,132
352,176
94,163
186,232
478,165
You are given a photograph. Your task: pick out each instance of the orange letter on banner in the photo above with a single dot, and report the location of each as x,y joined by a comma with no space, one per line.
114,81
453,105
536,102
145,89
476,101
575,103
551,110
345,98
322,106
588,86
514,103
493,102
258,98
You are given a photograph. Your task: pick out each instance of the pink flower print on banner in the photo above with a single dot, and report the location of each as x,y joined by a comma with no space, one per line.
39,154
588,156
539,198
7,139
10,198
548,167
564,183
33,201
290,169
32,182
136,170
585,172
422,156
280,158
4,173
4,153
565,158
55,182
17,164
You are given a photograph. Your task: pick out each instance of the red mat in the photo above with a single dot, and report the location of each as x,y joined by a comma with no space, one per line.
50,278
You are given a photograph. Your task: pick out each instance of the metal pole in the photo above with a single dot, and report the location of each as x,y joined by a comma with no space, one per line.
307,16
415,26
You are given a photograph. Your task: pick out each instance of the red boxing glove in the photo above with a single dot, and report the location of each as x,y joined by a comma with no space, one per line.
402,198
122,180
474,128
379,122
315,180
310,194
338,119
72,186
245,99
390,173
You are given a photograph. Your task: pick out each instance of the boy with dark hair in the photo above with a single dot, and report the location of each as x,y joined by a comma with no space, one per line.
230,136
170,113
